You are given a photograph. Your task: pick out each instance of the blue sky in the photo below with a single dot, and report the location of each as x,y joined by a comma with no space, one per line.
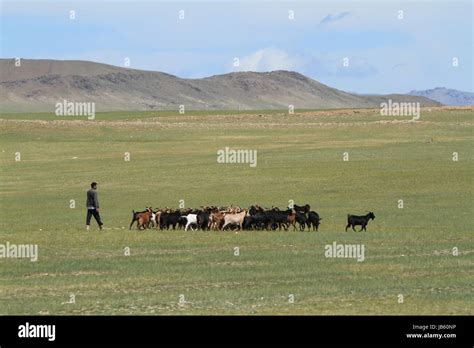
385,53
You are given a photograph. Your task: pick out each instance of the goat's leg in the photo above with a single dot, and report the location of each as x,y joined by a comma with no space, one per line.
348,225
353,229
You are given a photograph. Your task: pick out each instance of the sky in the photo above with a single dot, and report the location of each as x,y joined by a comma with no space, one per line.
358,46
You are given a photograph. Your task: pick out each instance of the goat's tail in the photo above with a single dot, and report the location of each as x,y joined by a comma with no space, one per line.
134,217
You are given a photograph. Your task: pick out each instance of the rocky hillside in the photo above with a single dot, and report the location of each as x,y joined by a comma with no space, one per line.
37,85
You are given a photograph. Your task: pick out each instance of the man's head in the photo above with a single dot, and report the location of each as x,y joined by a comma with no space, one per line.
94,185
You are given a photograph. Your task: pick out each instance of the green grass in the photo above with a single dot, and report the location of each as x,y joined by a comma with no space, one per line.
407,251
137,115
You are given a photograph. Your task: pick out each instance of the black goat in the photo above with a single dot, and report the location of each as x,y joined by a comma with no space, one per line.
354,220
313,220
301,219
301,208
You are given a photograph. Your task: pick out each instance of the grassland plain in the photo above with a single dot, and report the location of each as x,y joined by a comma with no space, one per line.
407,251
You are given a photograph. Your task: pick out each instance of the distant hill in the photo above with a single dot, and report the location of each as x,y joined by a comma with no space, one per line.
447,96
37,85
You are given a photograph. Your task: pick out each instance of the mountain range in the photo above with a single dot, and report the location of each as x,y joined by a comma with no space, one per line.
37,85
447,96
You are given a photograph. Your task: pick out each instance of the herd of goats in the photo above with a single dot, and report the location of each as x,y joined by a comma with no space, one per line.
236,218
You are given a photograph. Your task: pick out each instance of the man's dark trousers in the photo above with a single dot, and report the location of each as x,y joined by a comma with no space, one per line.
95,213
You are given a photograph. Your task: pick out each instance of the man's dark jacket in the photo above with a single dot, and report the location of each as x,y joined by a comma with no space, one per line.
92,200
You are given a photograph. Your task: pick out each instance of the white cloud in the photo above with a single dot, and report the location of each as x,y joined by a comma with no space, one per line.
332,18
268,59
312,64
